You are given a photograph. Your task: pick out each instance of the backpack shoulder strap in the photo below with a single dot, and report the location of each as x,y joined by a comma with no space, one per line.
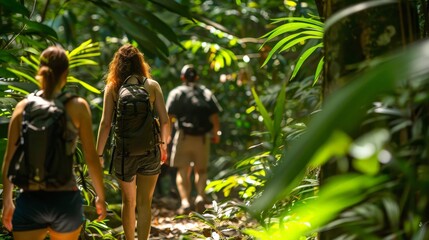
64,97
141,80
144,80
37,93
126,79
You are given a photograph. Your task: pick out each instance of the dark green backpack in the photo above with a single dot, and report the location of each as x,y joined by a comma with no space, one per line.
44,157
194,118
135,130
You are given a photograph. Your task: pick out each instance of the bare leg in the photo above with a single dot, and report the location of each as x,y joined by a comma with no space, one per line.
145,188
200,170
200,181
128,207
64,236
183,180
38,234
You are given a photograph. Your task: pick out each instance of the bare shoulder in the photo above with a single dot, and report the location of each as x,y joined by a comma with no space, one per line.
110,92
153,82
154,85
21,105
76,106
79,102
109,88
19,108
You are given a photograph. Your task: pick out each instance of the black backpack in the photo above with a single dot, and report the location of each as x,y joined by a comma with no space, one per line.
195,119
44,157
135,128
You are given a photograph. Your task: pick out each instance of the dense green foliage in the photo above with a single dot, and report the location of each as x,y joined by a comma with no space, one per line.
221,38
264,60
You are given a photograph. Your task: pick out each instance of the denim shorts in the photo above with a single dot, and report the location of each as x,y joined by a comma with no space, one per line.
61,211
147,164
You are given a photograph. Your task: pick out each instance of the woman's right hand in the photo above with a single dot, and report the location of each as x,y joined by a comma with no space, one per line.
164,153
101,161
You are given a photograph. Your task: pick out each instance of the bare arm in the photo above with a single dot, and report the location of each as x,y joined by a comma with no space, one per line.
105,122
13,135
173,119
214,118
163,120
81,114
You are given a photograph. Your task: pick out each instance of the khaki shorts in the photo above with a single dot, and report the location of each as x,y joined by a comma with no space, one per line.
189,149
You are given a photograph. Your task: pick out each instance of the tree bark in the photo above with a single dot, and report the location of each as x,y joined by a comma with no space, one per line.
352,41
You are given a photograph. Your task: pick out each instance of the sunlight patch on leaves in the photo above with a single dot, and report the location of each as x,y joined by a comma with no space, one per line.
24,75
297,31
218,56
84,84
306,218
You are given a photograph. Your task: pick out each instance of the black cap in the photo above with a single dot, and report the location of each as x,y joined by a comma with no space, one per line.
189,73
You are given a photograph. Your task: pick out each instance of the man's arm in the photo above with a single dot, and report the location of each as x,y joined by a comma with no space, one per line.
216,133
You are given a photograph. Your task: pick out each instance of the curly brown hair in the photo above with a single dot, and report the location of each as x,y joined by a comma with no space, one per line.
128,60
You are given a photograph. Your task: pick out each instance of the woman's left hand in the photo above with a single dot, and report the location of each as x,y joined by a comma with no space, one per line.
8,209
100,205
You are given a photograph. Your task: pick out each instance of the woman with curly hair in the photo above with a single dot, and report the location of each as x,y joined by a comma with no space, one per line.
138,178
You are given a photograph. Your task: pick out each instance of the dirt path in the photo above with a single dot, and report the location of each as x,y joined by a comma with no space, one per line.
167,224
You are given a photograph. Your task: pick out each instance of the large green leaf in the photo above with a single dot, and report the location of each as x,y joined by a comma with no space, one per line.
263,111
175,7
25,87
29,40
24,75
218,56
7,57
339,193
79,56
344,111
319,69
82,51
299,19
146,38
298,30
290,27
33,64
155,22
279,114
14,6
294,42
72,79
40,28
280,44
304,57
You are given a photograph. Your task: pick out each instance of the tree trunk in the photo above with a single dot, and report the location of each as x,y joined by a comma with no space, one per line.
364,35
360,36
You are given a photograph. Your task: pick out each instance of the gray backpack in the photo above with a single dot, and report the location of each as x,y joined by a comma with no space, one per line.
44,156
